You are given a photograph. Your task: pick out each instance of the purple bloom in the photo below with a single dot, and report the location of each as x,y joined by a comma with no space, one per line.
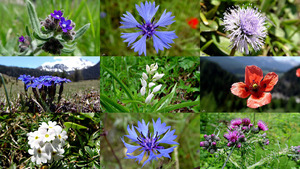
149,143
246,121
65,24
21,39
26,78
262,126
56,14
246,26
148,28
236,122
232,136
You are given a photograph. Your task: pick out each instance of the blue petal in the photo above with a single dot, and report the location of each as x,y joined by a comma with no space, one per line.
165,19
159,44
130,148
132,134
166,36
152,157
143,128
159,127
168,138
147,11
130,37
165,152
140,45
128,21
138,157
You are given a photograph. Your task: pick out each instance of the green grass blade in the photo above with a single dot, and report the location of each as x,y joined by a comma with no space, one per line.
107,107
34,21
91,20
178,106
164,101
81,31
6,93
119,107
127,91
73,126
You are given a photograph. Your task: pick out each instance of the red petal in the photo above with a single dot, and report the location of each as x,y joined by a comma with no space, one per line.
253,73
240,89
263,99
298,72
269,82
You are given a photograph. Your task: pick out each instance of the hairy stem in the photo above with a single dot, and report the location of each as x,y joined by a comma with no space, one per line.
232,51
112,150
228,156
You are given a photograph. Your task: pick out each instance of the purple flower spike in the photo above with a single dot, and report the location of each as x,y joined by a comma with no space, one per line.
262,126
148,28
56,14
246,26
21,39
150,143
65,24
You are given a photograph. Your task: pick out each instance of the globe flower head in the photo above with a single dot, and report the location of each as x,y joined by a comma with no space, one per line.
255,86
298,72
148,28
150,143
57,14
246,26
262,126
65,24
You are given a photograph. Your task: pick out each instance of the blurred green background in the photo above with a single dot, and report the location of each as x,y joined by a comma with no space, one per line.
283,27
187,131
284,130
187,43
15,19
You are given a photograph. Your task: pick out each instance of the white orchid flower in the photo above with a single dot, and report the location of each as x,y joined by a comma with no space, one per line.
157,88
149,97
145,77
151,84
143,91
157,76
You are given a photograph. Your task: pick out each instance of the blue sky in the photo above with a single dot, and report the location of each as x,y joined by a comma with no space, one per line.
34,62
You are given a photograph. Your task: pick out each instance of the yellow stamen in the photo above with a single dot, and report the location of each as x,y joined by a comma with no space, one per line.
255,86
47,135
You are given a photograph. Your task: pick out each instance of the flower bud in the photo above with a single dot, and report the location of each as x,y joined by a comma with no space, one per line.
148,69
145,77
214,143
149,97
151,84
157,88
144,83
143,91
157,76
239,145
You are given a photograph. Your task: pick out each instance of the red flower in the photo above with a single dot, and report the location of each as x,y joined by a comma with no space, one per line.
298,72
255,86
193,22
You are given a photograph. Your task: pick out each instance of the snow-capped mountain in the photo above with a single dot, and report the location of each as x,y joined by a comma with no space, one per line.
66,64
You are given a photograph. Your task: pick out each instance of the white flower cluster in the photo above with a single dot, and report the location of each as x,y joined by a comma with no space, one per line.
47,143
148,83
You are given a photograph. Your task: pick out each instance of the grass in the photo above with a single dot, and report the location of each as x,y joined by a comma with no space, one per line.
81,12
187,43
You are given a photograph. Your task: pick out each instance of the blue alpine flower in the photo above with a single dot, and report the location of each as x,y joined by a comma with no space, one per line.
150,143
148,28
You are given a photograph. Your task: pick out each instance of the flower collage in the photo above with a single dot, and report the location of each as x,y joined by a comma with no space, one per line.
103,84
250,86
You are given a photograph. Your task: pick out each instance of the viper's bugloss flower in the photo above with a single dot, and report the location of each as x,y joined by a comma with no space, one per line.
298,72
21,39
193,23
262,126
65,24
148,28
149,143
246,26
255,86
57,14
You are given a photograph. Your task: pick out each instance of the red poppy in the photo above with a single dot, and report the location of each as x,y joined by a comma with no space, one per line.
298,72
193,22
256,86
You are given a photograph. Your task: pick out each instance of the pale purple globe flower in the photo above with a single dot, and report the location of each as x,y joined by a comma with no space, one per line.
246,26
149,143
148,28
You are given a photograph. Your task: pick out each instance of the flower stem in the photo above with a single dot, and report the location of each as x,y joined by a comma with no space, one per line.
232,51
112,150
228,156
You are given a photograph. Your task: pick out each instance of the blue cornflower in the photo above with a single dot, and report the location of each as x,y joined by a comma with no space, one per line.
65,24
149,143
21,39
56,14
246,27
148,28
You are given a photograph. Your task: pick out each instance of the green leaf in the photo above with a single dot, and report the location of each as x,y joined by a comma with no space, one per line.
212,26
74,126
40,37
108,107
68,50
82,30
117,106
88,115
127,91
34,21
223,44
178,106
27,31
164,101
